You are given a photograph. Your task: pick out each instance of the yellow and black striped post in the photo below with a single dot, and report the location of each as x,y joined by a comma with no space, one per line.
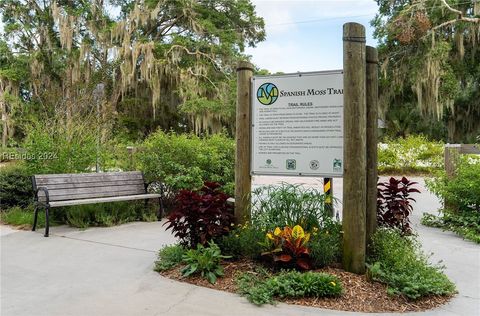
328,190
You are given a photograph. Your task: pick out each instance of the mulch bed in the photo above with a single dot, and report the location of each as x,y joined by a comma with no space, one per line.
360,295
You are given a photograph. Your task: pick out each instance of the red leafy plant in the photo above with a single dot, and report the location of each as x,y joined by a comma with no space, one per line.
199,216
289,247
394,203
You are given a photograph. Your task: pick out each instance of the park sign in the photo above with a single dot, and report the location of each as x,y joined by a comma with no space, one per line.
297,124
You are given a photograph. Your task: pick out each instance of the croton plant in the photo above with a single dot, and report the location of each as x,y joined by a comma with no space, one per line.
289,247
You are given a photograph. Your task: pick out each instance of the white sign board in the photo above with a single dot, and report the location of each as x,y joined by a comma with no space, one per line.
297,124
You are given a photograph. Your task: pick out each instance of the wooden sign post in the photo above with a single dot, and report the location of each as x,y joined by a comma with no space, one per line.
372,142
287,93
243,180
354,176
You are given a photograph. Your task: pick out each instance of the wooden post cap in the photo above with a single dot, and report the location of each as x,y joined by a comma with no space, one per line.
372,55
244,65
354,32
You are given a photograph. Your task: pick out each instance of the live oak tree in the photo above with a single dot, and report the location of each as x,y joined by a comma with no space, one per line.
429,52
167,63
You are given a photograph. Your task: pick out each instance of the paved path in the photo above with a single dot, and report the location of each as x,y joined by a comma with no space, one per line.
108,271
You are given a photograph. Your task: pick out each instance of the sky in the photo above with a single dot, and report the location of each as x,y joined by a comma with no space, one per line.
307,35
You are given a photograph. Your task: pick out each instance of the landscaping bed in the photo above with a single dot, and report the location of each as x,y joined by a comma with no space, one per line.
360,294
290,250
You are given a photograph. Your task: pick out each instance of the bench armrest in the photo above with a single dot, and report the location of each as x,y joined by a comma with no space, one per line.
44,190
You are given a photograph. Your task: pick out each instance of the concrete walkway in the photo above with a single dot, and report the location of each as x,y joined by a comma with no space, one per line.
108,271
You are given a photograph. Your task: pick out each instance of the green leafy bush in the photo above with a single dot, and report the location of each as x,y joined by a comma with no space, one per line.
326,245
169,257
107,214
432,220
399,262
242,242
463,223
288,205
54,146
21,216
414,153
186,161
204,261
462,192
15,186
288,285
8,153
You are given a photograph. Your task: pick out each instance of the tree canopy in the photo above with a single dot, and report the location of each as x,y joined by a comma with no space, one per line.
430,57
141,61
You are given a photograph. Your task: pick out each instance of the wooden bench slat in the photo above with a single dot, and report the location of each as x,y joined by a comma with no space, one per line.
80,185
140,188
104,200
92,195
87,175
41,181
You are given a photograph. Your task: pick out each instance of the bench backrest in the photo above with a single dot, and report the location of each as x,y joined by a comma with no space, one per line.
62,187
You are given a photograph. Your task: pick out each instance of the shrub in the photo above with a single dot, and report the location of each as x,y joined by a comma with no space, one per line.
21,216
288,205
289,247
326,245
431,220
463,223
243,241
8,153
398,261
462,192
169,257
288,284
414,153
204,261
200,215
55,146
106,214
186,161
393,203
15,186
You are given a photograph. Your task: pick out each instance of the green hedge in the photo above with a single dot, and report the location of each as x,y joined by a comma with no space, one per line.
15,186
186,161
399,262
463,194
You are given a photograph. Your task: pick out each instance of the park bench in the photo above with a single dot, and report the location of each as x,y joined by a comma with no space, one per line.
57,190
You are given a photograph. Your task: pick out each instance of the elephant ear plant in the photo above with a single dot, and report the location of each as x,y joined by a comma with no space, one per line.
394,203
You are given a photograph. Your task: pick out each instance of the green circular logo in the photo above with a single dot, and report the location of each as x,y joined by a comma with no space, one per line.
267,93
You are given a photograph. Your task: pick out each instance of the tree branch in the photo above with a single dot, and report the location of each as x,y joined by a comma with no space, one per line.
459,13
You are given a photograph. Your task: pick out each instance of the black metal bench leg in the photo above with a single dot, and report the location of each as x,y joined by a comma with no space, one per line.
35,215
47,226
